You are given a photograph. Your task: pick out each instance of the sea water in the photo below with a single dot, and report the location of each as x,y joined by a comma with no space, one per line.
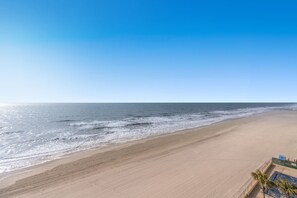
31,134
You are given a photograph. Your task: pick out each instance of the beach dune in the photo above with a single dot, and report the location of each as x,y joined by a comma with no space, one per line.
212,161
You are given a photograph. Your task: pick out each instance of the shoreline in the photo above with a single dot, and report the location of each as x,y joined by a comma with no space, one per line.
66,158
110,146
84,164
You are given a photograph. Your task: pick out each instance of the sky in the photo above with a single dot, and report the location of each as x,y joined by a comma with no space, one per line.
148,51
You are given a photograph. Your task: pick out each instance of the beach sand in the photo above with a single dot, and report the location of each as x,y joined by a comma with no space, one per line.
212,161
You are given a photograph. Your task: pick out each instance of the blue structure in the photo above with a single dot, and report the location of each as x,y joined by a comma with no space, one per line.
282,157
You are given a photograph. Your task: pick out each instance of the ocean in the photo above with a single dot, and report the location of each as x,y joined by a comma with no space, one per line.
31,134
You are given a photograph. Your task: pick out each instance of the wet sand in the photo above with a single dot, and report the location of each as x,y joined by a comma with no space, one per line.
212,161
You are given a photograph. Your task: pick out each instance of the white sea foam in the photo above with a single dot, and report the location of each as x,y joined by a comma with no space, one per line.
19,149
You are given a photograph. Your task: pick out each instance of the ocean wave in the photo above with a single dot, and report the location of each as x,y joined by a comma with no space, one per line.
27,148
11,132
100,128
139,124
66,120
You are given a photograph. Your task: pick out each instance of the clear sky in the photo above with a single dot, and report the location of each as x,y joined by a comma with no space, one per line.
148,51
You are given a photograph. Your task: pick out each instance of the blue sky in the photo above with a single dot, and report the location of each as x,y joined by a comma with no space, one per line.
148,51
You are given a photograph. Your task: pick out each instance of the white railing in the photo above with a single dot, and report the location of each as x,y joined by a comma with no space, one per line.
250,184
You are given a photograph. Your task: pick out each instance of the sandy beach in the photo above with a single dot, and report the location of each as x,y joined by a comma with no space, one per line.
212,161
